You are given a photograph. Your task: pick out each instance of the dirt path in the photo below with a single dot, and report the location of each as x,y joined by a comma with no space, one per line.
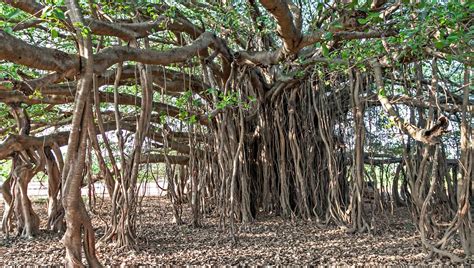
267,241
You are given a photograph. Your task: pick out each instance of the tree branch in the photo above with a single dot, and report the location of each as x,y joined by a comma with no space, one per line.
286,28
18,51
160,158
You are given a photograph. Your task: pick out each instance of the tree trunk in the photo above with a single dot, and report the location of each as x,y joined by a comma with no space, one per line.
55,208
77,219
123,230
357,205
27,220
7,225
467,160
25,165
395,193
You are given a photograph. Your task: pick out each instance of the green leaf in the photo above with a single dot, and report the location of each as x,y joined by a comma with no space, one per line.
37,93
345,54
439,44
354,3
59,14
382,92
197,103
8,85
453,38
328,36
211,91
54,33
405,91
362,21
325,50
13,14
192,119
337,25
8,29
163,117
320,7
77,24
299,74
374,14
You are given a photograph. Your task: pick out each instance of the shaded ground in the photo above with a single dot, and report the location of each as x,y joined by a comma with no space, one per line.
267,241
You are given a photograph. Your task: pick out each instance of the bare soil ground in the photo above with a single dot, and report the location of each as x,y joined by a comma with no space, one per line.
268,241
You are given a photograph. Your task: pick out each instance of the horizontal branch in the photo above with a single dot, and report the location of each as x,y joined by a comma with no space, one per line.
318,36
124,31
18,51
396,160
17,143
160,158
63,96
415,102
168,81
267,58
112,55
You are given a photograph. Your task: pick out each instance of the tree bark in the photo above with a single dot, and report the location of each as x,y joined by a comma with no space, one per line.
77,219
464,184
357,203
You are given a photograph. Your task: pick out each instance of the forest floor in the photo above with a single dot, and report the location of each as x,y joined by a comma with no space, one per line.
267,241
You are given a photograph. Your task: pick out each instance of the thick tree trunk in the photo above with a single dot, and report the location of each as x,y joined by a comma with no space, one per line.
357,205
282,160
301,179
77,219
25,165
27,220
464,184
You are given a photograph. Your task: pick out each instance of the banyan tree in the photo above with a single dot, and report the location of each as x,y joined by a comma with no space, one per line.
294,108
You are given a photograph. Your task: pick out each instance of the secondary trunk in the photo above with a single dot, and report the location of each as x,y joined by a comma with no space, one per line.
77,219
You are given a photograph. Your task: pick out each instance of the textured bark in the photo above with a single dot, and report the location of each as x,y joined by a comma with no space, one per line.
171,178
301,182
55,208
161,158
287,28
27,220
395,184
18,143
284,189
79,233
7,225
464,184
357,203
125,31
428,136
273,132
18,51
25,165
123,230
